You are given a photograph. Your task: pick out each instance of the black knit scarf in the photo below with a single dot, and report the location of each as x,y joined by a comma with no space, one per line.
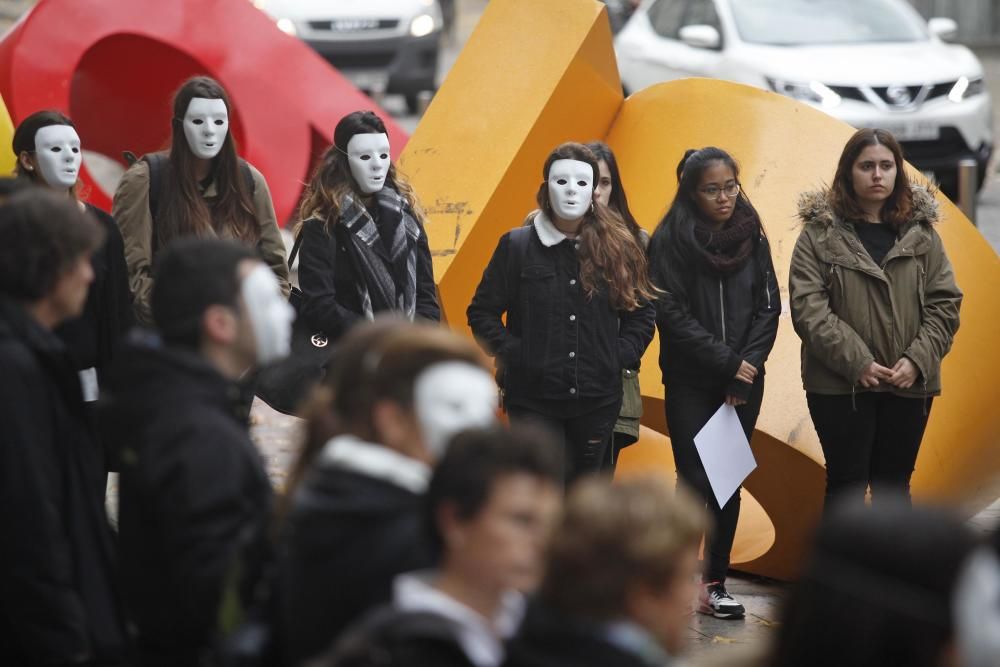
725,250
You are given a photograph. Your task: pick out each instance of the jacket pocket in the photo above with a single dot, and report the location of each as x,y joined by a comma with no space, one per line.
537,297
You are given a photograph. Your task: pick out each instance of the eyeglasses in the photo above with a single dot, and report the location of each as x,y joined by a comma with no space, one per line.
712,191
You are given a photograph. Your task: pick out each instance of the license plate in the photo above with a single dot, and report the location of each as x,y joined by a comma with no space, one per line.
371,80
914,131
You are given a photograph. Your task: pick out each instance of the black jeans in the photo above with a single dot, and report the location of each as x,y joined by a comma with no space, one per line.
873,441
688,410
585,433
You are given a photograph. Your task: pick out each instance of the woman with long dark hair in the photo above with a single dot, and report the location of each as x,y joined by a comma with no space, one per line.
48,153
876,305
611,192
718,319
199,187
363,248
575,292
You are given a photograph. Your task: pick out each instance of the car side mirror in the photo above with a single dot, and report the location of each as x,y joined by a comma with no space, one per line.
701,36
944,28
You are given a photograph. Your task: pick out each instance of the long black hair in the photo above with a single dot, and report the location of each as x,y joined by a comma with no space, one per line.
618,200
673,246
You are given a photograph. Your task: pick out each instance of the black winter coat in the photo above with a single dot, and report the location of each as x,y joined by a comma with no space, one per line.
107,314
58,598
329,278
557,343
347,537
194,501
547,639
710,323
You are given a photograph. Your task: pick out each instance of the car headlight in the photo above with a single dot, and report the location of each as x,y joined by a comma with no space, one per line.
965,88
814,91
422,25
287,26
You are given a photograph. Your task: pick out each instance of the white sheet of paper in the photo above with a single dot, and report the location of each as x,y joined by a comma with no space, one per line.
88,383
725,453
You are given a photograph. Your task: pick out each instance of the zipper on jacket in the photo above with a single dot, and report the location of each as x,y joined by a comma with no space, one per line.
767,288
722,306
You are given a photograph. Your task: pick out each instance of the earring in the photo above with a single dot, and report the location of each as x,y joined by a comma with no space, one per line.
593,209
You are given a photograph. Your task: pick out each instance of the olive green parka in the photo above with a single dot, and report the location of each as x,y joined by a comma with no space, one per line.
849,311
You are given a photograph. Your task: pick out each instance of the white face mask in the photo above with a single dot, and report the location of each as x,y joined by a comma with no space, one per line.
450,397
57,151
270,315
368,157
206,125
571,188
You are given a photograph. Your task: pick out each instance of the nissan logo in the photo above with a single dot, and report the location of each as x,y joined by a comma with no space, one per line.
899,95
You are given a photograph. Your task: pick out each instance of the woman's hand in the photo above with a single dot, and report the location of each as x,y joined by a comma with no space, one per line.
747,373
904,374
874,372
735,401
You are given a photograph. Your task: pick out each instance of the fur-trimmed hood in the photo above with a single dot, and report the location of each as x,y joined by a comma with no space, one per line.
814,207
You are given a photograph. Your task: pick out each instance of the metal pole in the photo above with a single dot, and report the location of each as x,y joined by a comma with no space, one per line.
968,179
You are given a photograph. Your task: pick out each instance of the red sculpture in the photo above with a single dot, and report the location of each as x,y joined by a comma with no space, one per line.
112,66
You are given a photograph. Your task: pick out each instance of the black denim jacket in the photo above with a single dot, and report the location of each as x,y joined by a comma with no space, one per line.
557,343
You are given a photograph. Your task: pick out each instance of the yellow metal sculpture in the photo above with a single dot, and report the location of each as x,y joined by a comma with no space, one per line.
7,158
535,74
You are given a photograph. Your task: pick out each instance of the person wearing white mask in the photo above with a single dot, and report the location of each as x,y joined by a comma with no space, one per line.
199,187
194,497
49,155
354,514
361,242
574,289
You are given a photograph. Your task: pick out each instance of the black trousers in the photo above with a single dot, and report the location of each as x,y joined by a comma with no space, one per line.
688,410
872,442
582,428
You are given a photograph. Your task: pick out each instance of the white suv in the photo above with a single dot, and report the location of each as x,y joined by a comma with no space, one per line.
871,63
382,46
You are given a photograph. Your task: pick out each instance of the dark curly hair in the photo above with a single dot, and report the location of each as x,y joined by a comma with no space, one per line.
42,234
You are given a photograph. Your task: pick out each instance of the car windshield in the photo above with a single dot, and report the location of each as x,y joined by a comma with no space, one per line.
796,22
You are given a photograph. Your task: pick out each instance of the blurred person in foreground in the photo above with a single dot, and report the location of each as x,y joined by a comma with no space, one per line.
491,504
878,589
396,393
621,575
58,597
195,498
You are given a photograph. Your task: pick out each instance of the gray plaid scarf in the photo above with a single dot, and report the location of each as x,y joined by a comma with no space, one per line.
388,272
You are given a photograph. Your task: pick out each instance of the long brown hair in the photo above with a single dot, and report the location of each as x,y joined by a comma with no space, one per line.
610,254
332,180
184,211
843,199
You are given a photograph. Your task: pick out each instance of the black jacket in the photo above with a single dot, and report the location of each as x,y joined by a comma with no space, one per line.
346,538
194,499
548,639
710,323
107,314
392,638
557,343
328,278
58,599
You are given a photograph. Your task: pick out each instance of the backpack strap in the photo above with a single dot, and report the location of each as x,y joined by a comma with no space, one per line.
157,163
519,238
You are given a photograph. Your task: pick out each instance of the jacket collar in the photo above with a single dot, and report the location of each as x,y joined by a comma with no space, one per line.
16,322
480,638
815,209
354,454
546,230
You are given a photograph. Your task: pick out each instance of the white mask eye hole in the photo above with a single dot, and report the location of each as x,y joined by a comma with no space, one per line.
384,156
197,121
561,181
56,149
582,184
75,149
366,157
219,122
